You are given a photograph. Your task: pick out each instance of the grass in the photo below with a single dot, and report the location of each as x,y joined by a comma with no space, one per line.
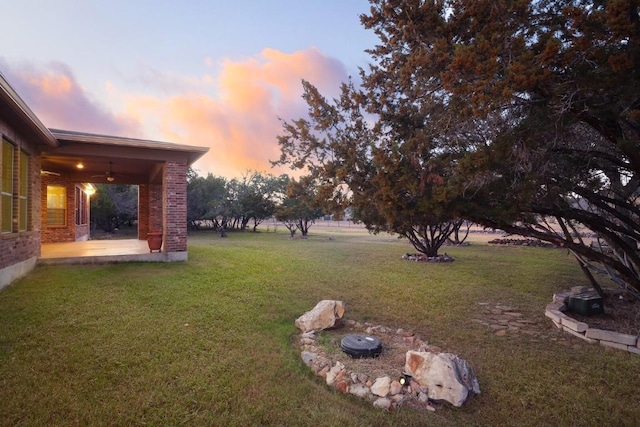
209,341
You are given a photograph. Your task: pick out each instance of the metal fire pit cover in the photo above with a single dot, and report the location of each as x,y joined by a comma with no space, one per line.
358,346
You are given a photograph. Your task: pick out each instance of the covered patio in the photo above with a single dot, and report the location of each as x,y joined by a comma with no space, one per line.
158,169
100,252
46,192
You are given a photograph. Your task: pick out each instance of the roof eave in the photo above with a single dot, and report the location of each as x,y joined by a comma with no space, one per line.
193,152
13,100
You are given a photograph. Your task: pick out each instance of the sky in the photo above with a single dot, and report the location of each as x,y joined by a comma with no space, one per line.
214,73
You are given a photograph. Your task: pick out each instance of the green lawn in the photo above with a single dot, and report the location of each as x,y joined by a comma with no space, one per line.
209,341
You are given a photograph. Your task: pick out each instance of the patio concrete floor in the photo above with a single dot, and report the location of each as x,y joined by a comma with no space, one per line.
101,251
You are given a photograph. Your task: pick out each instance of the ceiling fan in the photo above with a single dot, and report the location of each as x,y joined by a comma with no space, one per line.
110,175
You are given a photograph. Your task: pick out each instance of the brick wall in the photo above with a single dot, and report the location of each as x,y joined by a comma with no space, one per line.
164,207
155,207
82,231
175,207
143,211
58,233
18,246
149,209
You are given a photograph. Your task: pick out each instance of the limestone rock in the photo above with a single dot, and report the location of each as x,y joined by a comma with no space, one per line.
320,363
342,387
323,371
381,386
446,376
333,373
395,387
397,399
308,357
310,335
359,390
326,314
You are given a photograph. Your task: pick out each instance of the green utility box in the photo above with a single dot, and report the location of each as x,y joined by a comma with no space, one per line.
586,304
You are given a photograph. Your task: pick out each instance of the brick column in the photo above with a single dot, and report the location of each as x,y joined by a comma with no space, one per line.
155,207
149,209
174,186
143,211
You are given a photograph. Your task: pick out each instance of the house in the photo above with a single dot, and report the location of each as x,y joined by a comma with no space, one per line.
45,185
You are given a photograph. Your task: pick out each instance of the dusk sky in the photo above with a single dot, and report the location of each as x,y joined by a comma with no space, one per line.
197,72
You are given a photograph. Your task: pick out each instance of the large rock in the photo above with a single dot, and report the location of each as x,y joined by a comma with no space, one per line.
381,386
326,314
446,376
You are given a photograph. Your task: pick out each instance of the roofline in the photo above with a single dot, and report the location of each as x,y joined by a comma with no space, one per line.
195,152
11,97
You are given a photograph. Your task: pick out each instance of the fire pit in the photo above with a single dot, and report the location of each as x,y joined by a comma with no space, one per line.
359,346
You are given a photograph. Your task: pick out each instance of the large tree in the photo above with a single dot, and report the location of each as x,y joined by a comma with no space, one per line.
257,194
392,180
540,100
207,201
520,115
301,206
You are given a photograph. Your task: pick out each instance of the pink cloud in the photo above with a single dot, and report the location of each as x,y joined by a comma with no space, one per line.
241,124
235,112
56,97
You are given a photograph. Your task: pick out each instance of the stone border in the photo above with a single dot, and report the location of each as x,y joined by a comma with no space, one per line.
383,392
555,311
423,258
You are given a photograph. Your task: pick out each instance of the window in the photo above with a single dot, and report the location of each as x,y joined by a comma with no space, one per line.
81,207
23,220
15,189
56,205
7,186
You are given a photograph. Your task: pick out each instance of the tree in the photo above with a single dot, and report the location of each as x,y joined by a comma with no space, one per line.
392,180
454,237
301,207
207,201
506,113
231,204
103,210
536,102
114,205
287,214
125,199
257,195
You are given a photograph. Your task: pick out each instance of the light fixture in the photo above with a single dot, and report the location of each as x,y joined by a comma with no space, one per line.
80,165
110,175
405,379
89,189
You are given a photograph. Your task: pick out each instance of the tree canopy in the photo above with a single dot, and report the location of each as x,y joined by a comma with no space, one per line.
301,206
221,203
518,115
114,205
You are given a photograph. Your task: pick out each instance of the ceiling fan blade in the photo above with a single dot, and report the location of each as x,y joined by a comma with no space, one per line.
109,175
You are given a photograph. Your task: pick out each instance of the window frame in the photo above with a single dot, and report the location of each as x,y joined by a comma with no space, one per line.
52,220
7,187
23,191
81,201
